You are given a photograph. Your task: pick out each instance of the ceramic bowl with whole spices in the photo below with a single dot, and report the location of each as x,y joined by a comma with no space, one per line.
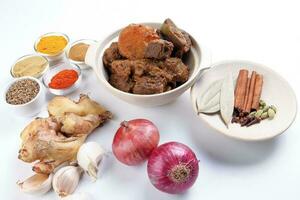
52,45
63,78
25,96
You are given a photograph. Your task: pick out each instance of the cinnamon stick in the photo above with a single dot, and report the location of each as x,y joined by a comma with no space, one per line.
240,89
246,95
257,91
251,93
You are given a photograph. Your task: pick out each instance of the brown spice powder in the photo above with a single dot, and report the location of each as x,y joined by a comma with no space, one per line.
78,51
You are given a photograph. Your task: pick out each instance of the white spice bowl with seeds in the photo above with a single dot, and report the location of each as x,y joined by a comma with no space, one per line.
25,96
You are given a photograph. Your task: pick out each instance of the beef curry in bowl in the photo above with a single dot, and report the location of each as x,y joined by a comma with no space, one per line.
147,64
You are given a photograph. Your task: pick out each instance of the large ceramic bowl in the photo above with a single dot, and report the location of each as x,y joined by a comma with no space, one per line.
196,61
276,91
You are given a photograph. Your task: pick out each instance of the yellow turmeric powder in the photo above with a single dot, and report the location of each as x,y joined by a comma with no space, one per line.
51,44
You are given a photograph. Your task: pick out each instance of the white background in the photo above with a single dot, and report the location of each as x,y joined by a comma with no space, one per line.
263,31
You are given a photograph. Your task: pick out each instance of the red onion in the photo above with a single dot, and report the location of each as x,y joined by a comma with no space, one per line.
134,141
173,167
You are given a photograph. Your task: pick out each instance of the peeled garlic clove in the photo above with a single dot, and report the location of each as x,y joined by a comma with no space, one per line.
66,179
78,196
89,156
37,184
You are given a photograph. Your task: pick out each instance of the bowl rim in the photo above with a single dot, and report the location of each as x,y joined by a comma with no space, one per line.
57,65
18,79
220,131
48,34
184,86
39,75
74,43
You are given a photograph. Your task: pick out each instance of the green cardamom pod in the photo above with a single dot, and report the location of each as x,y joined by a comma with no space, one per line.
258,113
266,108
252,114
265,115
262,103
271,113
273,108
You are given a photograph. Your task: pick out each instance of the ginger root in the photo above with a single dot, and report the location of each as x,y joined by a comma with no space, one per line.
54,140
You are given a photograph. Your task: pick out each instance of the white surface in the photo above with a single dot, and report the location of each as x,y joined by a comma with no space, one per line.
276,91
267,32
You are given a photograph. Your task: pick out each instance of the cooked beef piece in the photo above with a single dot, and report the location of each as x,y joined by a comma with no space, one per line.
121,75
141,67
159,49
159,33
179,52
180,39
111,54
188,39
177,69
147,76
149,85
148,67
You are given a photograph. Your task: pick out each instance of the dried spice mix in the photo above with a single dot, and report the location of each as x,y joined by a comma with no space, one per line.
22,91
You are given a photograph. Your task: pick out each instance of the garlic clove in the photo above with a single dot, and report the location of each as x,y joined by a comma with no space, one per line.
66,179
89,156
78,196
37,184
92,171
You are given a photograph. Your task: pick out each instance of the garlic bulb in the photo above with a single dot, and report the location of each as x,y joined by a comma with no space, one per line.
78,196
37,184
66,179
89,156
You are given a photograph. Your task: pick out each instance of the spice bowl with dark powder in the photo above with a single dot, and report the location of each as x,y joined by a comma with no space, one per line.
25,95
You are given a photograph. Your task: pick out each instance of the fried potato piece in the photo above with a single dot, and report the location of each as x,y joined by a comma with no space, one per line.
134,39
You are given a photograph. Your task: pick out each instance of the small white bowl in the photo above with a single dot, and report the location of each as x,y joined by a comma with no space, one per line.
27,56
81,64
30,108
57,68
276,91
196,60
52,57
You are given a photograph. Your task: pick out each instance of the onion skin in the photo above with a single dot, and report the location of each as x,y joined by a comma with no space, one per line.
134,141
173,168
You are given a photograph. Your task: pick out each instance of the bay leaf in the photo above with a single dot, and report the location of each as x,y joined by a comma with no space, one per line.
227,99
210,110
210,98
212,106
